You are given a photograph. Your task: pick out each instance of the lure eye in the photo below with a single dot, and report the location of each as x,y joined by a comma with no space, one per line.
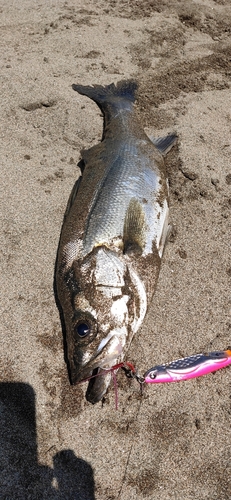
153,375
82,329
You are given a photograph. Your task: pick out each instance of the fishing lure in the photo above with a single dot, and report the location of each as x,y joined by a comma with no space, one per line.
175,371
187,368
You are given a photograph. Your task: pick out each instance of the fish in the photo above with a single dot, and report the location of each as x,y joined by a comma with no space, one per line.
112,239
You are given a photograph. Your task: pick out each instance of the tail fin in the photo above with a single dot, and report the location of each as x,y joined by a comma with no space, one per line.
124,91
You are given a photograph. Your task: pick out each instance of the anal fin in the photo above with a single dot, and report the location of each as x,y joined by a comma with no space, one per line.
72,196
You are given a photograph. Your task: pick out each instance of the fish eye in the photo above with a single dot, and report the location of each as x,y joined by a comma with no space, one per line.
82,329
153,374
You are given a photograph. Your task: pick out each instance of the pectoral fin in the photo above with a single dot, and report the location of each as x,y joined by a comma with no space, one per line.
134,228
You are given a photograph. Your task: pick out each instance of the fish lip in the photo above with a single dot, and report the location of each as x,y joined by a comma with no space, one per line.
97,387
85,372
77,378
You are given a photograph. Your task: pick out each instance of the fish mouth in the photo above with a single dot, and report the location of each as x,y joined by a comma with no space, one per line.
96,370
98,385
99,381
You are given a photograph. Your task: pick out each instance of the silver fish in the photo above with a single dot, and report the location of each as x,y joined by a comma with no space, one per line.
112,238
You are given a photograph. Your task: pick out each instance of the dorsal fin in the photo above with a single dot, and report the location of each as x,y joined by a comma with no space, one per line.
164,144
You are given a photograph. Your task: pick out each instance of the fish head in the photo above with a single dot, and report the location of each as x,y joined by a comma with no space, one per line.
102,312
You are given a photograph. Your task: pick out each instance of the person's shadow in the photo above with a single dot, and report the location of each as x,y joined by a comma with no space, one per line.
21,476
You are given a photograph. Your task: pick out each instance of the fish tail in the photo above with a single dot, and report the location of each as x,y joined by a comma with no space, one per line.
114,95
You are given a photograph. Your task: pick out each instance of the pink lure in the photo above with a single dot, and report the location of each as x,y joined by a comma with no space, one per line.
190,367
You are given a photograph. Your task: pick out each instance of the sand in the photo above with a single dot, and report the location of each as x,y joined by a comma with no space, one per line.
174,442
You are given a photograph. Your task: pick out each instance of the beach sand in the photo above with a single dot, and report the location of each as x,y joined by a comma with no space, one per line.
174,441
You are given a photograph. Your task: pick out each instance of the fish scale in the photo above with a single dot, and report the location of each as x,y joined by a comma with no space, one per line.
125,179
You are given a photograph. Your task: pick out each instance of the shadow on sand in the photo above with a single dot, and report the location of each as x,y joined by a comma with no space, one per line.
21,476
